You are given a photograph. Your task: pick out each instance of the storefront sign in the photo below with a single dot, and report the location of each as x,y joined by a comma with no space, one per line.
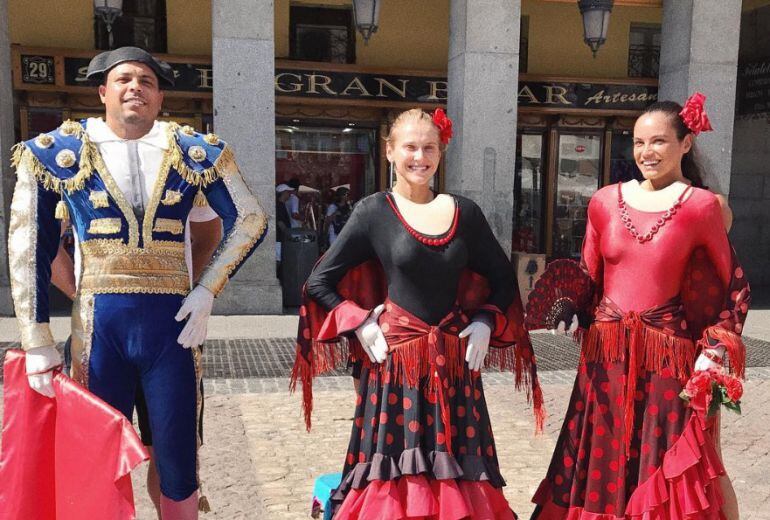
421,89
38,70
188,77
754,87
344,85
351,85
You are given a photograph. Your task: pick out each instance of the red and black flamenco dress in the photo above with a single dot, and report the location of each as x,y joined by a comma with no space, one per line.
421,445
629,446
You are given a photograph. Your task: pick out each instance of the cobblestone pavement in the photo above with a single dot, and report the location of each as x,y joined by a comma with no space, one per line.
259,463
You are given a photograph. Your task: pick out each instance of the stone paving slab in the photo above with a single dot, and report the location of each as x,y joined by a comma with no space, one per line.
259,463
258,454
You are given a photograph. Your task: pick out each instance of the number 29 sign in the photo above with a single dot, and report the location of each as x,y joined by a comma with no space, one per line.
38,70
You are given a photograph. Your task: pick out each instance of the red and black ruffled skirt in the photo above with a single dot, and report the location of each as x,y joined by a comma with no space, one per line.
421,446
629,446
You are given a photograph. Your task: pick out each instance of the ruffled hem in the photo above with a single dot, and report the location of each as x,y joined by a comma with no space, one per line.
415,497
436,465
684,487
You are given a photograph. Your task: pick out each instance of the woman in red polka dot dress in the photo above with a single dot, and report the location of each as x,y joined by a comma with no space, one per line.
666,296
420,289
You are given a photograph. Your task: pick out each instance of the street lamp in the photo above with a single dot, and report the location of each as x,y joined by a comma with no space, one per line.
596,20
366,14
108,11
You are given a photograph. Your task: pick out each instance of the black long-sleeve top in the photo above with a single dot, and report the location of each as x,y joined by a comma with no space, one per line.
421,279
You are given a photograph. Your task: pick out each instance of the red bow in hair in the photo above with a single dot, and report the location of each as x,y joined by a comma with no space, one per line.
444,125
694,115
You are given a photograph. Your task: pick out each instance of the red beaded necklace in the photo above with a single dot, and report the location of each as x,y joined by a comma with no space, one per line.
665,217
427,240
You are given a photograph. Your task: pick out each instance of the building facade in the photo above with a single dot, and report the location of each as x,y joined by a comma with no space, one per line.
541,124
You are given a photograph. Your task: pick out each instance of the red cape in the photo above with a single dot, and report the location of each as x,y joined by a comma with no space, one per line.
66,458
320,350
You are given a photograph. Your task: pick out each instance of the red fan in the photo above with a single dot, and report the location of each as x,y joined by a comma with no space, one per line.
562,290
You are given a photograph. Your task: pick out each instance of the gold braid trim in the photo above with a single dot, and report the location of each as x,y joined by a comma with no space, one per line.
21,154
22,158
202,178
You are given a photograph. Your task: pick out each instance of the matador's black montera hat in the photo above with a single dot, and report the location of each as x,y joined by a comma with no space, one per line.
102,63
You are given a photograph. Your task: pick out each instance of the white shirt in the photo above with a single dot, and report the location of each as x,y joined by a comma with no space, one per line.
292,206
331,210
134,164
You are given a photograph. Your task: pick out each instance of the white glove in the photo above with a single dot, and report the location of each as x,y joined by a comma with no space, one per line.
561,326
197,306
704,363
40,361
372,339
478,334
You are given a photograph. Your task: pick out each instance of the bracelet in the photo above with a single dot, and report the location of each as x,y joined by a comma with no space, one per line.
712,356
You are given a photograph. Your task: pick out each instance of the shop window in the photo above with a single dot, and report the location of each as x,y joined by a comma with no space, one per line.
322,34
622,164
142,24
41,120
528,193
644,50
323,159
577,179
524,44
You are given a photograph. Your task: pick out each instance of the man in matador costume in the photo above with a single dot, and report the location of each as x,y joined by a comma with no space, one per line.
128,184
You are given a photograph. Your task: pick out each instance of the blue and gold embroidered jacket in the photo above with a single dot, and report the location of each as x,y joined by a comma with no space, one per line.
62,172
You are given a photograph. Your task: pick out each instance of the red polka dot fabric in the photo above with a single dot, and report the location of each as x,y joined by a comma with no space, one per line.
421,413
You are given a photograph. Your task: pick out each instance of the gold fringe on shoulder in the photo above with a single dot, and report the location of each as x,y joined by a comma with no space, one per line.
22,159
223,166
21,155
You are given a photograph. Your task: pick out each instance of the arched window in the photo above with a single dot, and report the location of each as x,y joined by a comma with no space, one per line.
142,24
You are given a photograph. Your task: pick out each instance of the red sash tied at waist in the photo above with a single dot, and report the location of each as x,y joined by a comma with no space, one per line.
640,329
418,349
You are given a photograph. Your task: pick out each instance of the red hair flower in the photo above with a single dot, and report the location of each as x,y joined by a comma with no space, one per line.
694,115
444,125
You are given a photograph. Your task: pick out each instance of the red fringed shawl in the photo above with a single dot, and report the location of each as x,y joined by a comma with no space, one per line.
324,342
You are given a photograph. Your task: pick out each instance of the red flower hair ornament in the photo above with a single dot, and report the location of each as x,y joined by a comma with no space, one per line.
444,125
694,115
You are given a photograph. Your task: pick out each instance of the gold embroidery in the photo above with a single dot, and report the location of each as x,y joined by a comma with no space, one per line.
117,196
172,197
82,336
70,127
197,153
168,225
212,139
43,141
188,130
249,227
23,156
160,185
110,266
204,177
99,199
22,244
104,226
66,158
197,354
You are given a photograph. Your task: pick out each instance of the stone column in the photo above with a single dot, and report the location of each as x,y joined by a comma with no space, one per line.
699,52
243,60
7,138
483,75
